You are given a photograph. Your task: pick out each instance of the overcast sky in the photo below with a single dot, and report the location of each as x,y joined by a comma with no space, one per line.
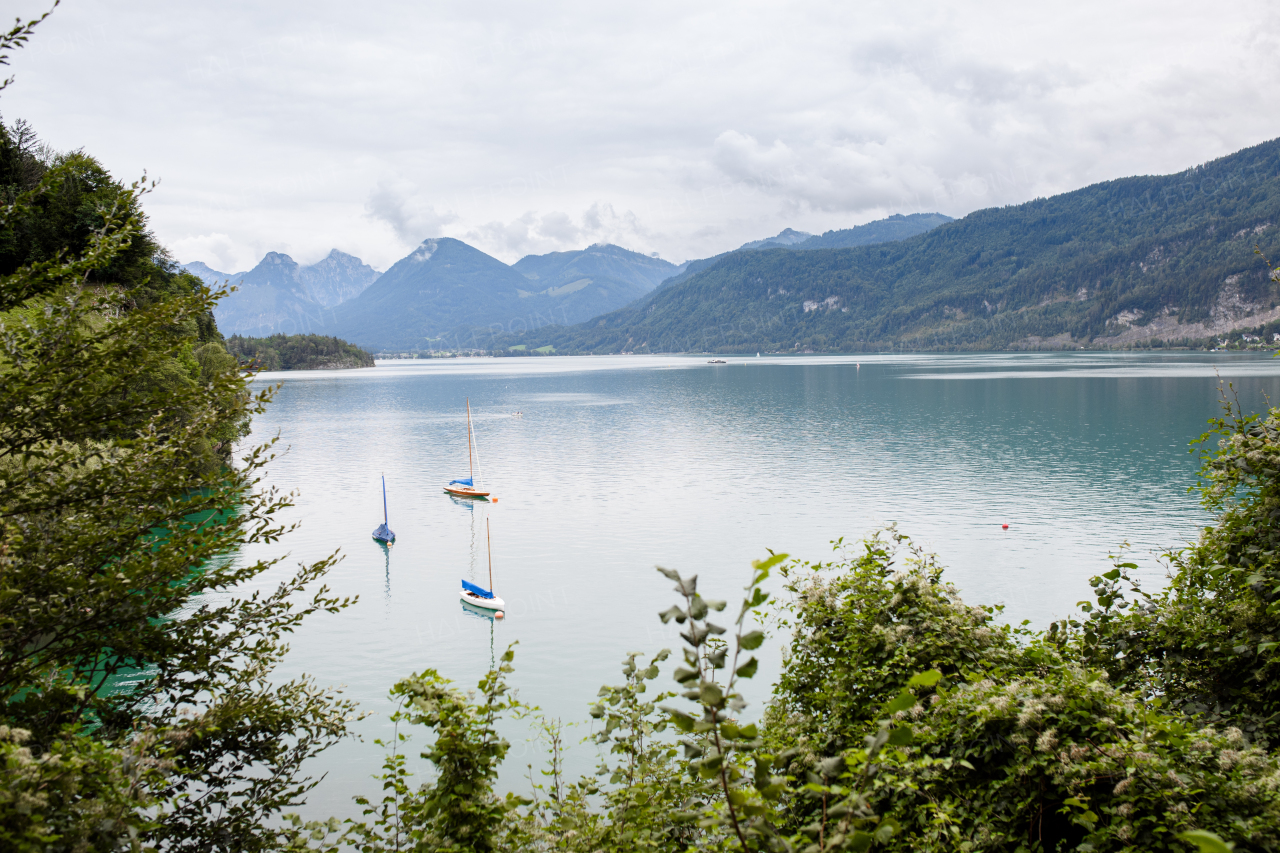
679,128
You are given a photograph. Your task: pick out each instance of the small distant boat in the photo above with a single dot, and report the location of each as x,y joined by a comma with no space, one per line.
476,595
466,488
383,533
717,361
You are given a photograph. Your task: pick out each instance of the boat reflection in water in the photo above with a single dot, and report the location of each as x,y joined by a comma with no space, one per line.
473,612
469,504
386,553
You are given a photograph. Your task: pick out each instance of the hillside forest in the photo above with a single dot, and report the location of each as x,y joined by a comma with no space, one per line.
297,352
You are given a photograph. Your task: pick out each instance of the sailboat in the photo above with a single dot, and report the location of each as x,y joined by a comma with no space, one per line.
476,595
383,533
467,488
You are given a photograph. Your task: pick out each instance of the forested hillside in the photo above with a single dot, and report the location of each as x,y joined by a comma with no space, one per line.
298,352
896,227
441,285
1165,257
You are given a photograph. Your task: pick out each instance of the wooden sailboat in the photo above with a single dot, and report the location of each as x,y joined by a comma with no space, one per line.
383,532
467,488
478,596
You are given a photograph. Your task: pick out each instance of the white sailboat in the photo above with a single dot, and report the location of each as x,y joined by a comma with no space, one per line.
478,596
466,488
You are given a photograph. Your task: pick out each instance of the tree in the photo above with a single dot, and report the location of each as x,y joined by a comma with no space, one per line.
136,698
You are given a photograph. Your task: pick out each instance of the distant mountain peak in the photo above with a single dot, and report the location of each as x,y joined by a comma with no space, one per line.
786,237
279,294
203,271
792,234
425,250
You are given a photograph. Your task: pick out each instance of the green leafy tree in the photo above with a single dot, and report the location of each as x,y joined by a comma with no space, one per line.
137,703
458,810
864,624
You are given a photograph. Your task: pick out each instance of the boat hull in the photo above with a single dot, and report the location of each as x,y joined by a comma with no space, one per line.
465,493
494,603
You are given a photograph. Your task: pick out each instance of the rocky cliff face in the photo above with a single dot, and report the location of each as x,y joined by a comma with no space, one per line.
337,278
280,295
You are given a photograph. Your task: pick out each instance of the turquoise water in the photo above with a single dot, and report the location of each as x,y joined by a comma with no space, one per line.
620,463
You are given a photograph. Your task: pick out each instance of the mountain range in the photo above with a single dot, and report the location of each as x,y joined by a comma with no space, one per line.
280,295
443,286
1169,258
445,292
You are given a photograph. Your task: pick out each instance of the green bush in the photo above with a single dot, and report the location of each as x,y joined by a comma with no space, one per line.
1208,642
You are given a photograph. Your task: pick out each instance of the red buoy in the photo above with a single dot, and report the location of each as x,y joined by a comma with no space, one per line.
1004,527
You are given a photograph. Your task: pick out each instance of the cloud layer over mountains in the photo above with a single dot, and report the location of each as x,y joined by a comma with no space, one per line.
685,130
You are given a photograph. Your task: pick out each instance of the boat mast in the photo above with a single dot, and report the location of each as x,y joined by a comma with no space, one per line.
489,542
470,462
384,498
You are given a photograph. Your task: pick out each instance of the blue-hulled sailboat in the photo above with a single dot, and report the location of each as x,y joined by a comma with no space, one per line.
478,596
383,533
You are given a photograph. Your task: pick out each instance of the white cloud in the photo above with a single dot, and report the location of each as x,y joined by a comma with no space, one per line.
409,217
219,251
693,128
534,233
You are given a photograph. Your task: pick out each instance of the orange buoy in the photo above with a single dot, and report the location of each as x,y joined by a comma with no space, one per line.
1004,527
499,614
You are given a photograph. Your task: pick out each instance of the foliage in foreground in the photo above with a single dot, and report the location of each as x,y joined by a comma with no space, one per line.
1020,745
137,707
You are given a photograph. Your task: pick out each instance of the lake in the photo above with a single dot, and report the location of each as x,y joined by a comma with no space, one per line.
621,463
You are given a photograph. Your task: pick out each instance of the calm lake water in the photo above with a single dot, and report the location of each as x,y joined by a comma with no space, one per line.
621,463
